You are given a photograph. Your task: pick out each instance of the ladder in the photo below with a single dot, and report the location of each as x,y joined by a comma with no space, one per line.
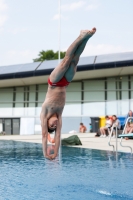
110,135
121,136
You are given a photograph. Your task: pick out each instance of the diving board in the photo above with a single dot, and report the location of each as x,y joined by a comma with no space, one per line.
126,135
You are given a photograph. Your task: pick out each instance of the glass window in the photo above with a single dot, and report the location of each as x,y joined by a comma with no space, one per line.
111,108
32,94
38,111
29,111
19,97
72,109
94,96
94,108
5,111
73,96
37,128
1,125
94,90
73,92
94,85
19,111
132,87
123,107
131,104
42,90
125,93
6,97
111,89
74,87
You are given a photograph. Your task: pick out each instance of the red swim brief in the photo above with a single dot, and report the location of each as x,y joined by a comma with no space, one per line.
62,83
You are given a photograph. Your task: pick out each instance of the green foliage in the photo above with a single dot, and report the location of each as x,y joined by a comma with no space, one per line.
48,55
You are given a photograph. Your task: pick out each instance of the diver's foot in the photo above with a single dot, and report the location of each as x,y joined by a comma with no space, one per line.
86,34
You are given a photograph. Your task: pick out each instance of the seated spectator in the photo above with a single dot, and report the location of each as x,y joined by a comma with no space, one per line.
82,128
105,128
116,124
130,114
129,126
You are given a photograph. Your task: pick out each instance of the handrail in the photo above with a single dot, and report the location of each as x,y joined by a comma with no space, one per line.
125,125
124,133
125,145
116,135
110,138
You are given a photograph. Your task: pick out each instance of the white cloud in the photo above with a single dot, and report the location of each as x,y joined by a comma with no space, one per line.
57,16
72,6
76,5
92,7
17,30
100,49
18,57
69,7
1,29
3,5
24,53
104,49
3,19
3,15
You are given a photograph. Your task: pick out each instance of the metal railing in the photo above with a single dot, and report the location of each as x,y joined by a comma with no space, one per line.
116,135
110,135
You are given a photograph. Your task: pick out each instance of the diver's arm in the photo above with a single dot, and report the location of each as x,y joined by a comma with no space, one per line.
57,137
44,134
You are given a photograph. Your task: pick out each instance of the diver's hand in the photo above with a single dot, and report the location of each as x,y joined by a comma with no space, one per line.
53,156
48,157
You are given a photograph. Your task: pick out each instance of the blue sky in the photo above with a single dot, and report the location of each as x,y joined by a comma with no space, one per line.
27,27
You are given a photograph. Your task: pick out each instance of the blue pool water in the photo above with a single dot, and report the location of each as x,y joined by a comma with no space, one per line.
79,174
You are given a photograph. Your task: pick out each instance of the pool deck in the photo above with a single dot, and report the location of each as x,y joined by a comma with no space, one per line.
88,141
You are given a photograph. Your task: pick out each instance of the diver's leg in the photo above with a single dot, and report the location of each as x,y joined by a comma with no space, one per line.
73,65
101,130
69,74
72,56
60,70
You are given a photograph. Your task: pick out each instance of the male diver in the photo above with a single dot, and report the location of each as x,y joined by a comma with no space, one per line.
59,79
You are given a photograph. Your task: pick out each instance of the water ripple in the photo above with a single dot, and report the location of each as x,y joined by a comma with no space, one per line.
79,174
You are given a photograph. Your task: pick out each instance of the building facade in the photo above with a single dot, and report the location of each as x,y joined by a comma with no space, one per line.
100,87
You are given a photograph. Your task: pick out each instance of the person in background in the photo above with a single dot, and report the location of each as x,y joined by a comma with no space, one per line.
108,124
129,126
115,124
82,128
130,114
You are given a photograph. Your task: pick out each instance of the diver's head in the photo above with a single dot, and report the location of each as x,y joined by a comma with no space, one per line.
130,113
52,123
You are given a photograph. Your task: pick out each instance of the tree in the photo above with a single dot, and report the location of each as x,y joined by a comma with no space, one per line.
48,55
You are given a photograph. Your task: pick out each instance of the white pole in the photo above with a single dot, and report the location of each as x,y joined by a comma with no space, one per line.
59,30
116,144
60,152
116,140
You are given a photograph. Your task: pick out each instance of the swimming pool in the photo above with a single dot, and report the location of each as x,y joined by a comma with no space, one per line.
79,174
